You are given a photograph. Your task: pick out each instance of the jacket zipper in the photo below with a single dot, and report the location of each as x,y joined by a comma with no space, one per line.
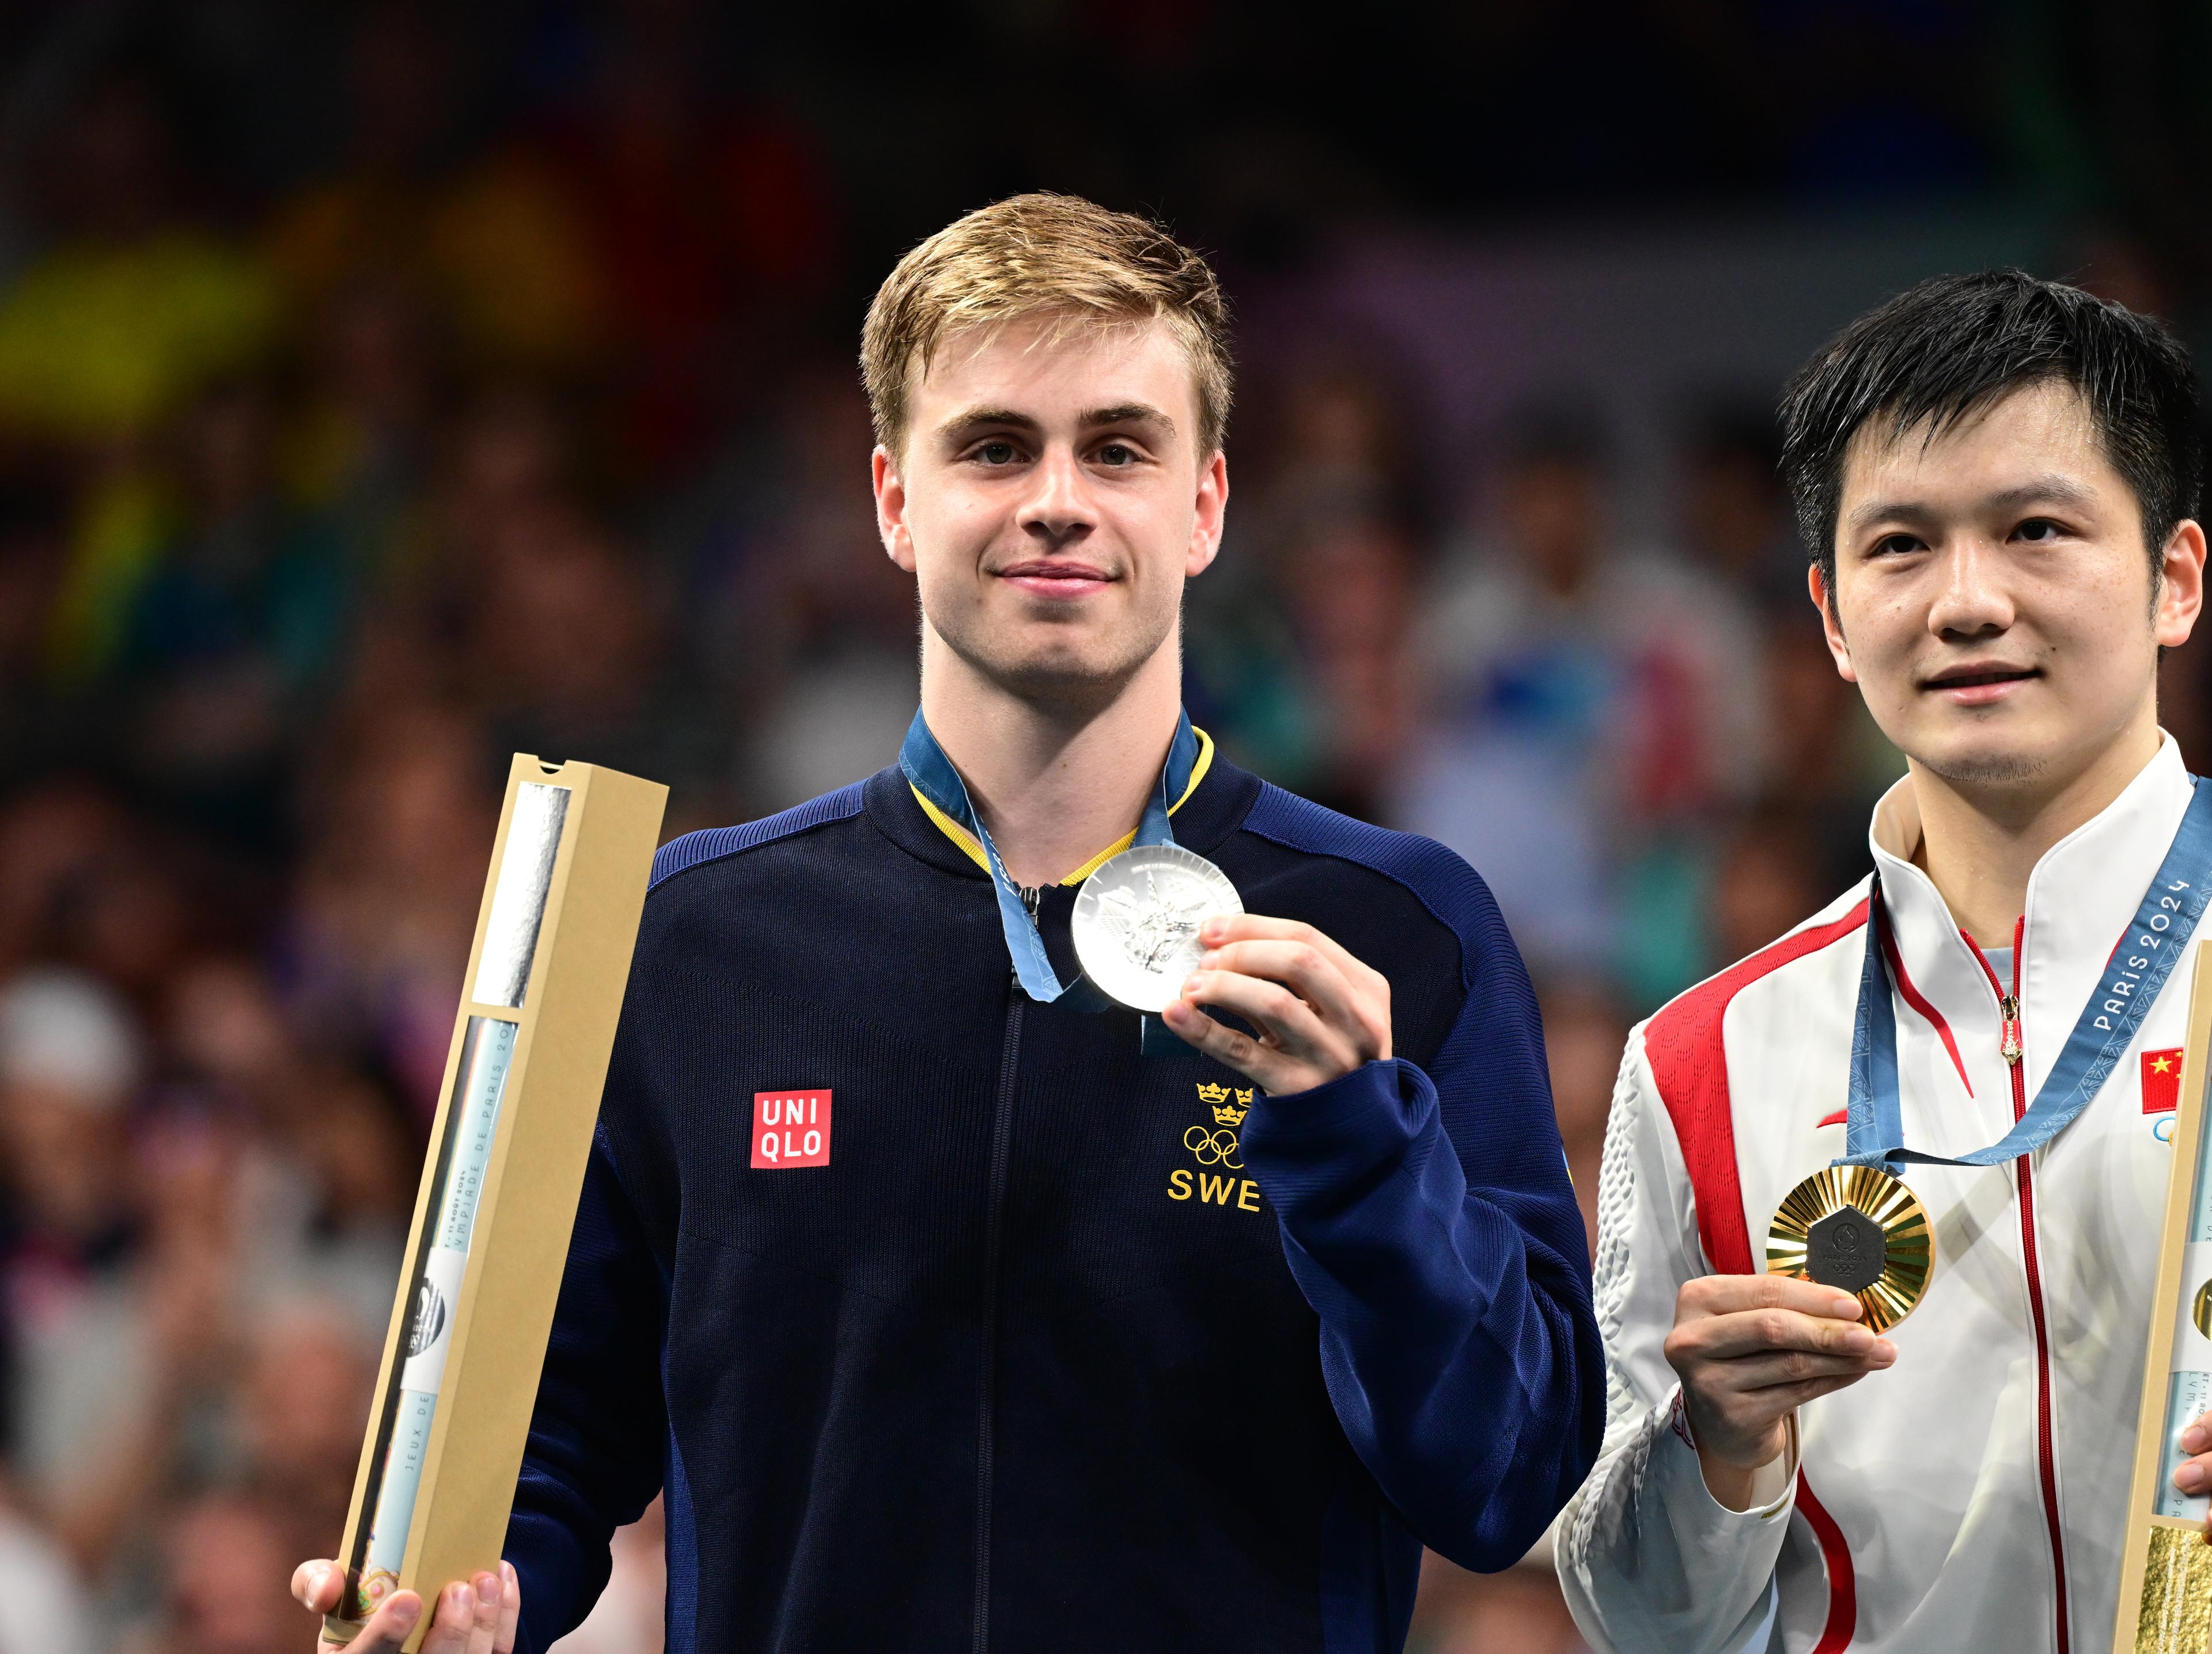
2047,1465
1002,1126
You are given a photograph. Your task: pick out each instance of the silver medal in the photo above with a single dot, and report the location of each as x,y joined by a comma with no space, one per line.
1137,918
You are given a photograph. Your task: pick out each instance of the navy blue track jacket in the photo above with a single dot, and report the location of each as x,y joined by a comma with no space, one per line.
1054,1351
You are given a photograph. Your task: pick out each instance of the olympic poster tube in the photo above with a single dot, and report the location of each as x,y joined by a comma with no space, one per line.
2188,1391
472,1121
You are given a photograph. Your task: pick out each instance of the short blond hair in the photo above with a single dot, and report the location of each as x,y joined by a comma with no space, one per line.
1039,254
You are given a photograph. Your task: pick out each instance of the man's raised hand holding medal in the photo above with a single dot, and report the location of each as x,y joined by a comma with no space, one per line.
1751,1349
1208,1365
1938,1086
1319,1013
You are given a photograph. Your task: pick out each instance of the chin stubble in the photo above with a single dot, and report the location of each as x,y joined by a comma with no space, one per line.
1066,682
2006,769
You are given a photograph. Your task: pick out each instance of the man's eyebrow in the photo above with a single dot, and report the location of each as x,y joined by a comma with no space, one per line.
2051,489
968,418
1129,413
1124,413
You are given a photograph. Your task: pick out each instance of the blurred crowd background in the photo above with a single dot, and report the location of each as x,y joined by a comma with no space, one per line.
386,389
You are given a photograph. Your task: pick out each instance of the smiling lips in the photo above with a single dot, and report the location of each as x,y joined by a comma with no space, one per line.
1056,578
1980,684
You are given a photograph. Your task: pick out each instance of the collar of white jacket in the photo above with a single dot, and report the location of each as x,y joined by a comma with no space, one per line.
2080,897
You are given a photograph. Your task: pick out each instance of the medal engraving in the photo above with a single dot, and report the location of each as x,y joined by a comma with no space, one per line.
1845,1249
1861,1230
1136,922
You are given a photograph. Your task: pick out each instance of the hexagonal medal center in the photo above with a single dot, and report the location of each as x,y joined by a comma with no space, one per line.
1846,1249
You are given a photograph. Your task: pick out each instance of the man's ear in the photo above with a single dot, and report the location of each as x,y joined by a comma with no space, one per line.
890,508
1212,506
2179,597
1831,627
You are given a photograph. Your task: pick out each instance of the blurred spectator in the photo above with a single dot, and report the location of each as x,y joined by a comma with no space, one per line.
329,1162
71,1057
41,1606
1576,695
127,914
1767,882
232,630
33,546
303,1402
1584,1031
806,625
53,835
1735,514
703,221
506,455
227,1559
494,240
1335,443
1296,655
567,646
1348,589
354,451
1829,762
400,828
133,305
129,310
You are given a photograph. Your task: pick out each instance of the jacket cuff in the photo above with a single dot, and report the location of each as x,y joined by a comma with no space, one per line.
1360,1117
1674,1456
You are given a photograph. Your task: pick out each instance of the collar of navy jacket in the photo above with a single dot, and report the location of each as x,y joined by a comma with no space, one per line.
1139,1411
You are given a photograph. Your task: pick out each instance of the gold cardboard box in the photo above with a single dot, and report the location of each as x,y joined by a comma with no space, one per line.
2165,1570
532,1042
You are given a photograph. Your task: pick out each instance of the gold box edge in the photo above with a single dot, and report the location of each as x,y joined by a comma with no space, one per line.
2188,1130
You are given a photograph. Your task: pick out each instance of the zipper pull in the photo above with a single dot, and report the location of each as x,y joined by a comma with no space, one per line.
1033,899
2008,1008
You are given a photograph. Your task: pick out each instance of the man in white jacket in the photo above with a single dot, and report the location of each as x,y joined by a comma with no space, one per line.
1999,476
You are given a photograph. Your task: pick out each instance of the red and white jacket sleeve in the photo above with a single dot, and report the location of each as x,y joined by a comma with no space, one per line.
1648,1558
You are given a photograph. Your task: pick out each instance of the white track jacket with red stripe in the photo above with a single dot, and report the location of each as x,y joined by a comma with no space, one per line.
1971,1496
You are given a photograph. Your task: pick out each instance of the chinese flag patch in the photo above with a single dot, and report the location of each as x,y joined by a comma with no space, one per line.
790,1128
2162,1081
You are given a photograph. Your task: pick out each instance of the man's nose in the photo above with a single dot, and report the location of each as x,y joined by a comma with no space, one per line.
1974,599
1057,505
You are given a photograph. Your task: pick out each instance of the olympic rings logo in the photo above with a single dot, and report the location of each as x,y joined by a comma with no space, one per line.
1209,1147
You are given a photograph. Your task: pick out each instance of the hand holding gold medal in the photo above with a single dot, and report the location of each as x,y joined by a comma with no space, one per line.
1861,1230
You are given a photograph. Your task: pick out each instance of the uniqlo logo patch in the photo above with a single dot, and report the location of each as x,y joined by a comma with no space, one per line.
2162,1081
791,1128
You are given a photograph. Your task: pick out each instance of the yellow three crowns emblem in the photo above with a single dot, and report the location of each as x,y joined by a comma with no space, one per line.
1217,1099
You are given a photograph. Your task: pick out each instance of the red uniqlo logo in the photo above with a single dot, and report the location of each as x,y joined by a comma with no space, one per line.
791,1128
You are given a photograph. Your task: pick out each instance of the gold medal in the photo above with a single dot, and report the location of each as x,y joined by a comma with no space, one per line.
1860,1230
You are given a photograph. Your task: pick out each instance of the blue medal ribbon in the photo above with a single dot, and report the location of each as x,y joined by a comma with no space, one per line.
1874,1133
932,775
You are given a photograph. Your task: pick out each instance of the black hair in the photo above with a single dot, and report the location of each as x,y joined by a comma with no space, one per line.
1946,350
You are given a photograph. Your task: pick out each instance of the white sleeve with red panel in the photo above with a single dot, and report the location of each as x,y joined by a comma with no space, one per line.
1648,1558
